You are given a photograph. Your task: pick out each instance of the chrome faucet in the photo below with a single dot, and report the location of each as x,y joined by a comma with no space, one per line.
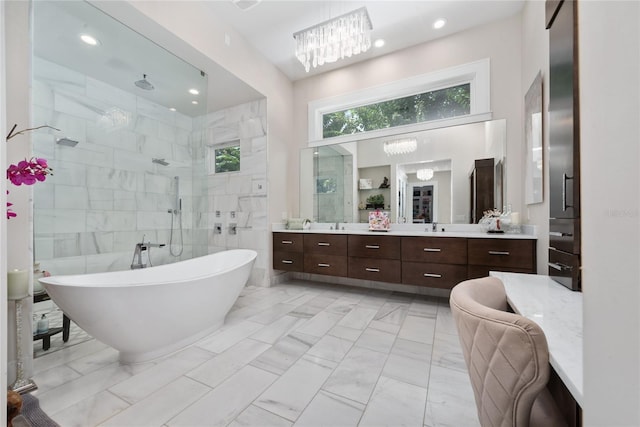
137,253
434,226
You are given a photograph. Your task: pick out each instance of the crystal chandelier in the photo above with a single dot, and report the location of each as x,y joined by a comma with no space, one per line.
424,174
343,36
400,146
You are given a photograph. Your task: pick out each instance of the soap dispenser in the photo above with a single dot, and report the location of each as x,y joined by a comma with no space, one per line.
43,324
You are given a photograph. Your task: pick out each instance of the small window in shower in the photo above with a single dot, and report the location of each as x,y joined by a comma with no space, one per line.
226,157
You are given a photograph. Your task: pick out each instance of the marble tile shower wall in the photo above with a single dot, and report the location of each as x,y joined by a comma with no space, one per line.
106,193
240,198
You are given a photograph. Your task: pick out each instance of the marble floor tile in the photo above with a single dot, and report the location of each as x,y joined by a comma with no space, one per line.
327,409
345,333
420,329
357,374
55,377
292,392
377,340
358,318
392,312
407,370
284,353
319,324
300,352
450,401
395,403
219,368
95,361
230,336
91,411
273,313
164,372
278,329
447,352
223,404
72,392
161,406
254,416
330,348
445,323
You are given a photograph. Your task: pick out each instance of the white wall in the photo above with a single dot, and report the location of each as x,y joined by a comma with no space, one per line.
535,38
3,232
18,236
609,40
499,41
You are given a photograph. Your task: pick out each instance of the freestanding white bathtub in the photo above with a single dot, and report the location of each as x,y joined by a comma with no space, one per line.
151,312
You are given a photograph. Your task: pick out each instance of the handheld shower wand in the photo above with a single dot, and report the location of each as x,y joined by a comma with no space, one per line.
175,212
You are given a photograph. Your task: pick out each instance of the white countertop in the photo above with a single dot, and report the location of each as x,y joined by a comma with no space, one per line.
451,230
558,311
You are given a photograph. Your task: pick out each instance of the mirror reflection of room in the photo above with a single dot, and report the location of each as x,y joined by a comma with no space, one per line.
343,182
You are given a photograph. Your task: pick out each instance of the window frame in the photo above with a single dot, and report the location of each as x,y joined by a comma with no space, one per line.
476,74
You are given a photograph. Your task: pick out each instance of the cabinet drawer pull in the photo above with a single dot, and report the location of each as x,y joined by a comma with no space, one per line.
437,276
559,234
287,261
373,270
498,252
432,250
324,265
560,267
372,246
324,244
287,242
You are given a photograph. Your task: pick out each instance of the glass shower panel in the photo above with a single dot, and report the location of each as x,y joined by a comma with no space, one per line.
137,171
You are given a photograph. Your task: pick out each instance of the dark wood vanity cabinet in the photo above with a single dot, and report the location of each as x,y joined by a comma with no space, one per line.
374,258
288,251
513,255
325,254
436,262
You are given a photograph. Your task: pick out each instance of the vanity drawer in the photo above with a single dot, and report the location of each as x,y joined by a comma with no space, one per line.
374,246
288,261
330,244
514,253
331,265
381,270
477,271
289,242
444,276
440,250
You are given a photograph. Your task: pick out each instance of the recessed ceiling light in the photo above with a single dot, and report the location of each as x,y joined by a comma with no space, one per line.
439,23
194,102
378,43
90,40
193,91
172,109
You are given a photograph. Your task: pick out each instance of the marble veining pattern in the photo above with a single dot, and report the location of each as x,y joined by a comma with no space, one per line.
274,363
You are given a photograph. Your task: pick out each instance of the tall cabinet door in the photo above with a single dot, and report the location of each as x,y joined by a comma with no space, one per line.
564,172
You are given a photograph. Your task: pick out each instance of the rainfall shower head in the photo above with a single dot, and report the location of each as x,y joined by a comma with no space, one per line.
66,142
162,162
144,83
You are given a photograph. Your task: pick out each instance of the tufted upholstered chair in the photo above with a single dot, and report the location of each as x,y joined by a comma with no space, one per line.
506,355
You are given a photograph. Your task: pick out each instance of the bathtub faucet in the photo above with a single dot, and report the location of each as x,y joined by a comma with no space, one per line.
137,254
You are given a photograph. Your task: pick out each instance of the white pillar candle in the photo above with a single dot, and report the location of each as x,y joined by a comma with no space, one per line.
515,218
17,284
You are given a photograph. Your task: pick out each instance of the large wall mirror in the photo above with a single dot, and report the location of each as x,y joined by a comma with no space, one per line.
420,177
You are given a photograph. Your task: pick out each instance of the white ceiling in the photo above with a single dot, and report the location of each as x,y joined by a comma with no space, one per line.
124,56
269,26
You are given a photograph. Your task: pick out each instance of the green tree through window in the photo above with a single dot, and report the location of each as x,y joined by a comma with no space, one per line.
228,159
423,107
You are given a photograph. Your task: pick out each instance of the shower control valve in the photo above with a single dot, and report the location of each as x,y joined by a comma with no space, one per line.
217,228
